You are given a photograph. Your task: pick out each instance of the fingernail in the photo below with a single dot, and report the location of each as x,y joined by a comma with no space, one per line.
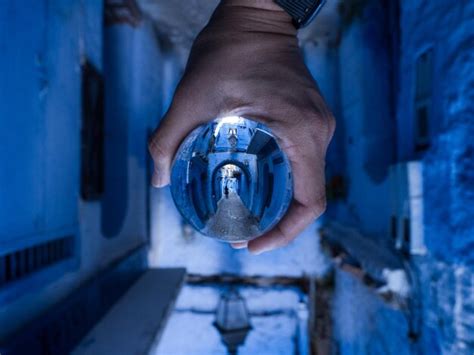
240,245
257,251
156,180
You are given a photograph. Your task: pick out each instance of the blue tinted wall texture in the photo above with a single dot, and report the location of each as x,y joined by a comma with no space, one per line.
39,151
39,112
43,45
447,277
447,30
380,97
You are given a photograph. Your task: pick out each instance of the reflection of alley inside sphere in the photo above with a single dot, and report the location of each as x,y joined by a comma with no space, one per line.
232,219
231,180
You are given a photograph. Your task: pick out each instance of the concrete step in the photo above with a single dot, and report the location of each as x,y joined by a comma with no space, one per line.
135,323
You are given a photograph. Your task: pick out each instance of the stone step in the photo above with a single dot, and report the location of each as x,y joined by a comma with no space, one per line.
135,323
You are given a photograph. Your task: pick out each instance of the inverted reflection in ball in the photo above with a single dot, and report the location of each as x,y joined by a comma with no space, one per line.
230,179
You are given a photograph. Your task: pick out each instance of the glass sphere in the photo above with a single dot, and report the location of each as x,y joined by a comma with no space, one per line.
230,180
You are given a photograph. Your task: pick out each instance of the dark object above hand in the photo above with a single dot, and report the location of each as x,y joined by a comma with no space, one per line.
301,11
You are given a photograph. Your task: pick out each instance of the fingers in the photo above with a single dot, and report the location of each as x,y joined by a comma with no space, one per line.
175,126
309,199
293,223
162,146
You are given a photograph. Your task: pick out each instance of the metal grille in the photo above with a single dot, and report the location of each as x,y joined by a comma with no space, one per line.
24,262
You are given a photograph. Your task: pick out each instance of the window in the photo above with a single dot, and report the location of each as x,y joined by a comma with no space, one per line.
393,228
422,104
92,133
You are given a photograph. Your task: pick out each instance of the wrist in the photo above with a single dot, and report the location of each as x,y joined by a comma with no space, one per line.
269,5
254,15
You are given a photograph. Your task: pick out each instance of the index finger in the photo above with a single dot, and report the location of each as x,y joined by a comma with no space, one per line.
292,224
309,197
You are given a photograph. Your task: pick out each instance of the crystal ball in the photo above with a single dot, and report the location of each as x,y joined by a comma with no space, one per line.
230,179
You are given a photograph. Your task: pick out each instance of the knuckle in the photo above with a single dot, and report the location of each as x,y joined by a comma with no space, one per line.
317,207
324,125
314,129
156,149
285,239
292,148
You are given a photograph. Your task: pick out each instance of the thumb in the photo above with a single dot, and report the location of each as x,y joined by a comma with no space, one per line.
163,145
165,141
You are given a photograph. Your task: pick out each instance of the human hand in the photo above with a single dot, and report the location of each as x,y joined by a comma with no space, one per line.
246,62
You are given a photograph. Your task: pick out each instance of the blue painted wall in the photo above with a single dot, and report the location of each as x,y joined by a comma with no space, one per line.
39,112
447,271
132,70
40,120
43,44
370,94
367,121
449,168
377,71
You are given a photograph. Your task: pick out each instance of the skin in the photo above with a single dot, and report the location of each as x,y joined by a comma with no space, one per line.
247,62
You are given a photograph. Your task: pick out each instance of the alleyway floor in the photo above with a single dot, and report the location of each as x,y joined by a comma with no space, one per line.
232,219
